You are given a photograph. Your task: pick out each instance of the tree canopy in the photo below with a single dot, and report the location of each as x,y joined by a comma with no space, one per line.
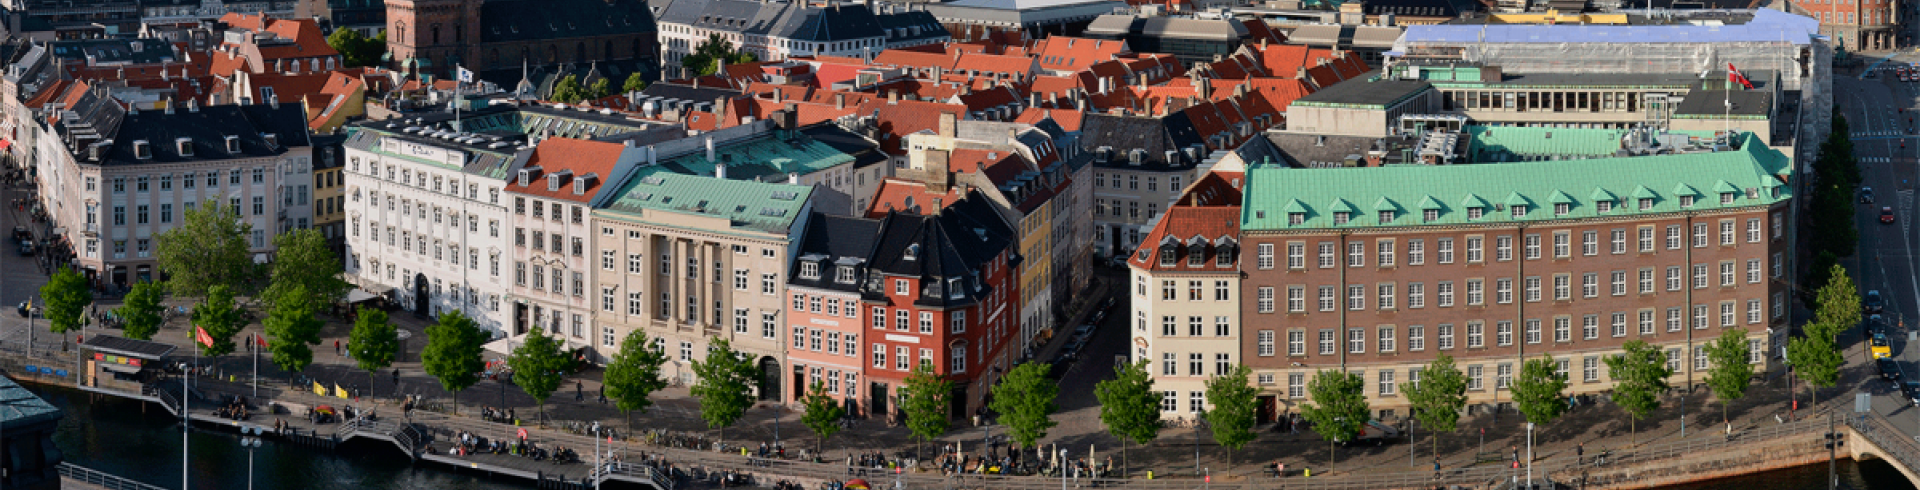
725,384
452,355
1337,406
1234,407
634,375
292,325
140,311
539,365
635,82
65,297
302,260
1732,373
208,248
925,402
1439,396
375,341
1129,407
713,53
1640,377
356,49
1540,391
1025,401
823,414
221,319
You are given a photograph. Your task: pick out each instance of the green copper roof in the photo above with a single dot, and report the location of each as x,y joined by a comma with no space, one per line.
748,205
1511,144
1601,194
1752,167
1429,203
19,407
764,158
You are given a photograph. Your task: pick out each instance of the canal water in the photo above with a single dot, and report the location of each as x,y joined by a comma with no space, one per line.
116,436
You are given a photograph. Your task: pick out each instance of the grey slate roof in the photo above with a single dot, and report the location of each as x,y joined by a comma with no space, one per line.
776,19
129,347
136,51
929,26
207,129
953,244
1153,135
522,20
835,240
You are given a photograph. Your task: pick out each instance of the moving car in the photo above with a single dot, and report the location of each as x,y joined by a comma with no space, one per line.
1876,324
1889,370
1911,391
1886,215
1866,195
21,233
26,248
1881,349
1082,333
1873,302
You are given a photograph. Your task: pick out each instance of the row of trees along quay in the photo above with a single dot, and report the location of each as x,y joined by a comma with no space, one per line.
206,258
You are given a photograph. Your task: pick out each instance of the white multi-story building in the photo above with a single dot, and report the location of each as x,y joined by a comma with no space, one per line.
551,194
115,179
426,218
776,30
1186,297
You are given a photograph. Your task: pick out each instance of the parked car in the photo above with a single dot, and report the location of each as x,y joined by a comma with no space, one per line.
1889,370
21,233
1910,391
1876,324
1881,348
1083,332
26,248
1873,302
1886,215
1866,195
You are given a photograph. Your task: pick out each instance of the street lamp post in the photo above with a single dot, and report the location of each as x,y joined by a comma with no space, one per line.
250,439
1063,469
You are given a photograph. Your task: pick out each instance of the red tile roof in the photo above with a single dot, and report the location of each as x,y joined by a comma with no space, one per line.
1183,223
898,119
896,194
1068,119
579,156
1212,189
1066,53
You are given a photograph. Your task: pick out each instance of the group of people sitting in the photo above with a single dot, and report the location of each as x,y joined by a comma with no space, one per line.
491,414
467,444
235,409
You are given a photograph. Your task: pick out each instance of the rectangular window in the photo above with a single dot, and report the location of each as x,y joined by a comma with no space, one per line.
1727,274
1675,322
1356,297
1296,385
1326,298
1356,341
1474,250
1475,373
1266,299
1646,322
1619,283
1384,254
1503,332
1296,255
1532,246
1356,254
1646,239
1386,296
1618,238
1561,248
1533,288
1386,339
1416,338
1416,251
1446,336
1326,255
1590,243
1476,294
1296,299
1753,311
1265,259
1503,248
1674,281
1326,341
1503,375
1266,343
1562,289
1445,250
1296,343
1416,295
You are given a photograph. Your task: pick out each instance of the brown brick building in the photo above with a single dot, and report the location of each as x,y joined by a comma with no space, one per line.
496,37
1379,270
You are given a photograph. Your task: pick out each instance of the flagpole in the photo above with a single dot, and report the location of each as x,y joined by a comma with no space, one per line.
256,367
186,420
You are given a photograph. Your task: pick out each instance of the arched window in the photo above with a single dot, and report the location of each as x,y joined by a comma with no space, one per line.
459,33
580,51
436,34
553,53
493,57
638,53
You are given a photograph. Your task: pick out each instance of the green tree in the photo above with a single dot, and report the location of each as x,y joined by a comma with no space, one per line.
375,341
1540,392
568,91
1439,397
823,415
600,88
1731,373
713,53
925,403
1025,401
538,365
65,297
208,249
1640,377
635,83
302,259
725,385
453,351
220,317
1815,359
1129,407
634,375
141,311
350,44
292,325
1232,416
374,49
1838,306
1338,407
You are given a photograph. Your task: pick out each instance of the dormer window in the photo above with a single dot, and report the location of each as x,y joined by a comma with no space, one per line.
954,291
1686,201
843,274
553,183
1166,256
1429,215
913,251
1561,208
1386,217
1296,218
810,270
1223,257
1340,217
1196,255
1474,212
233,144
185,145
1603,206
1726,198
526,177
144,151
1519,210
273,140
1646,203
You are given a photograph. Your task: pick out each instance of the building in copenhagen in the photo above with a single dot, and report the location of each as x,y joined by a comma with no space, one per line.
1186,295
689,259
497,38
827,320
122,177
426,218
1376,271
552,191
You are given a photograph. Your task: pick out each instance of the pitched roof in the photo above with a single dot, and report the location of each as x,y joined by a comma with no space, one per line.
576,156
1068,119
1212,224
1753,166
533,20
747,205
835,240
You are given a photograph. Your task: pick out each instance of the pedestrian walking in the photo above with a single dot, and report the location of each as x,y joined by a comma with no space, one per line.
579,391
336,347
603,394
1580,454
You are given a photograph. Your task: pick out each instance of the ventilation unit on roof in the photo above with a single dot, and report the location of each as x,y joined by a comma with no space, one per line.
786,195
653,181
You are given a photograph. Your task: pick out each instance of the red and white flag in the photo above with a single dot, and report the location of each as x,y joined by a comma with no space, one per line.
1734,75
260,339
200,335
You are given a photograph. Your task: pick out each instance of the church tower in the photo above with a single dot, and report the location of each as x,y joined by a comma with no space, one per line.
431,36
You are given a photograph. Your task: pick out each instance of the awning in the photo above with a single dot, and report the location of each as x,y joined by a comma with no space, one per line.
120,368
503,347
5,143
358,295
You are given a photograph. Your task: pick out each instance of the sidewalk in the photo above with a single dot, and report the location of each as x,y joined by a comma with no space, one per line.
1599,427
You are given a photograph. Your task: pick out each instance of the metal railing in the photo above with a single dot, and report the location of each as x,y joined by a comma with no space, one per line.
91,476
1888,439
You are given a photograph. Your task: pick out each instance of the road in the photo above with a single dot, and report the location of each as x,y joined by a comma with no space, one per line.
1880,113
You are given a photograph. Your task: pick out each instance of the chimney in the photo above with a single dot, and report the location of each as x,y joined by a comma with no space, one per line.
893,97
710,157
169,108
793,178
1143,81
947,123
840,101
720,172
1203,87
720,108
652,156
